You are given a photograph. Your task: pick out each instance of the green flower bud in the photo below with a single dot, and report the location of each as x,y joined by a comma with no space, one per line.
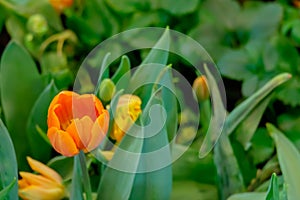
37,24
107,90
200,88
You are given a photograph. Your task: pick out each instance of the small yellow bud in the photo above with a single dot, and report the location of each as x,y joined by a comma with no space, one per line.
107,90
200,88
37,24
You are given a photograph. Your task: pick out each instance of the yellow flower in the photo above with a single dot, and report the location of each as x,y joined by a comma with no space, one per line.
127,112
46,185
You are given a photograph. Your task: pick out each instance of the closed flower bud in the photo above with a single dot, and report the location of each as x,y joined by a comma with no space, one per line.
37,24
200,88
107,90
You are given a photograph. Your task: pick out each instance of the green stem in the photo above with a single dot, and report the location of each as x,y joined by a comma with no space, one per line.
85,176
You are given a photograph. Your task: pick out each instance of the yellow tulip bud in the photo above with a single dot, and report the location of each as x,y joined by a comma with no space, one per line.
200,88
107,90
127,112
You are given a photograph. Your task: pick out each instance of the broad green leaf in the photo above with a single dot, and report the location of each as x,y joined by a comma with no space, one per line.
218,115
230,177
128,6
193,191
273,191
289,94
8,165
15,26
116,184
4,193
21,84
122,75
40,149
177,8
246,107
248,126
62,165
76,191
248,196
154,180
188,164
103,73
289,160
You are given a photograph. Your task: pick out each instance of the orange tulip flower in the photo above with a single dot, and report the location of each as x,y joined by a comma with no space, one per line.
46,185
76,122
127,112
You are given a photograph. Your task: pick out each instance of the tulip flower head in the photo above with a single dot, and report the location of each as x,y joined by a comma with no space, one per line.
127,112
46,185
76,122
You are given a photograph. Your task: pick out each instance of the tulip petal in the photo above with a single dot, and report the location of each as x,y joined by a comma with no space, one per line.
99,130
73,130
36,192
84,106
44,170
62,142
34,179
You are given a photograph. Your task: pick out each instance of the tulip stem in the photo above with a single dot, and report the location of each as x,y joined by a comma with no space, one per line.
85,176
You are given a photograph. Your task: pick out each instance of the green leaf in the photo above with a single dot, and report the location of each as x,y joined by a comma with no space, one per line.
128,6
62,165
289,160
229,174
76,185
21,84
246,107
8,165
122,75
16,28
246,129
248,196
177,8
5,192
154,180
117,183
40,149
273,191
193,191
289,94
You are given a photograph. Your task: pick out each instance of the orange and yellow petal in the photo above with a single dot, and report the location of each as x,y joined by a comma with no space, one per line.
44,170
38,180
34,192
62,142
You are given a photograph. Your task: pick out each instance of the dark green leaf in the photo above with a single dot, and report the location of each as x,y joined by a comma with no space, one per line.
21,84
63,165
40,149
76,186
179,7
128,6
8,165
289,160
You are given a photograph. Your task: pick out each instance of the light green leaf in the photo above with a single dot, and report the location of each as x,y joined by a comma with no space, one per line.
154,180
289,160
193,191
248,126
4,193
177,8
128,6
248,196
246,107
8,165
18,76
40,149
122,75
273,191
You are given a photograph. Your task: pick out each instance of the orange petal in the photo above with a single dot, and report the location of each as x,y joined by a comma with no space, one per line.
62,142
99,130
36,192
73,129
44,170
84,106
39,180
